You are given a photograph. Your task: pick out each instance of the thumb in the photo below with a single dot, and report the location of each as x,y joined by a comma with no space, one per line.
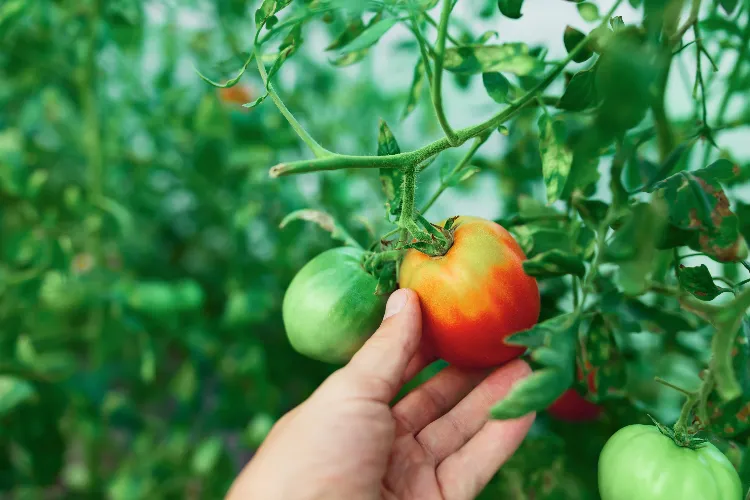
382,361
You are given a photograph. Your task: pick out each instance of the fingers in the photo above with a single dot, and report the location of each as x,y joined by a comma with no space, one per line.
465,473
419,362
450,432
435,397
378,368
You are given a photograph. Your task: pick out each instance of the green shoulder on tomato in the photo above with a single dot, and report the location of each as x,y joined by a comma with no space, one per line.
639,462
330,308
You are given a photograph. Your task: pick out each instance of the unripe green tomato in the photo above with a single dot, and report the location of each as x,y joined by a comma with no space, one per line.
330,307
639,462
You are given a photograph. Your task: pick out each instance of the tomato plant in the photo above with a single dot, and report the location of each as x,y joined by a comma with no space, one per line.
474,295
640,462
331,306
143,268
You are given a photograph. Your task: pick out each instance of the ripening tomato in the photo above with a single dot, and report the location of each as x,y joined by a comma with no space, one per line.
572,407
237,94
330,307
639,462
473,296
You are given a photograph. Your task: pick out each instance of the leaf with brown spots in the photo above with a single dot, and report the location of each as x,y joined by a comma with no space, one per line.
697,203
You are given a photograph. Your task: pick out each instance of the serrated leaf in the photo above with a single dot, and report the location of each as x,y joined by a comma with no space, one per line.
510,57
539,334
369,36
698,281
510,8
391,179
714,23
497,86
571,38
580,92
14,392
557,158
588,11
417,84
554,263
325,221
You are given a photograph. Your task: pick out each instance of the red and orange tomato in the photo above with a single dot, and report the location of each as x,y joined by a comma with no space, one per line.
474,296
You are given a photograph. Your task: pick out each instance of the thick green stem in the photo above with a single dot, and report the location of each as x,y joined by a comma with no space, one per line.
337,162
408,193
459,166
437,80
318,150
727,321
683,422
664,133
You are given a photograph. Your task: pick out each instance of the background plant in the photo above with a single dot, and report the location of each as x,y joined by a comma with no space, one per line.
142,268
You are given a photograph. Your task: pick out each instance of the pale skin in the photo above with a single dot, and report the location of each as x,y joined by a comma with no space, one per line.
348,442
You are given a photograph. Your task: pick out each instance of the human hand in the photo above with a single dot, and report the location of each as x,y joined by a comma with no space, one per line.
347,442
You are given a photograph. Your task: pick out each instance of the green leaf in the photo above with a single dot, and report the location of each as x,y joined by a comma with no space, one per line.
571,38
539,334
510,57
391,179
729,5
510,8
353,30
633,246
699,282
592,212
458,177
557,158
533,393
369,36
417,84
698,203
266,10
580,92
487,36
349,59
554,263
14,392
497,86
589,12
325,221
714,23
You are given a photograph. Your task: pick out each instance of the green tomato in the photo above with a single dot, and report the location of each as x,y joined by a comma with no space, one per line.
330,308
639,462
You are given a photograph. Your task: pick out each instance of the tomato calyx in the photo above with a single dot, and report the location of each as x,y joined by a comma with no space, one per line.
383,266
434,240
681,438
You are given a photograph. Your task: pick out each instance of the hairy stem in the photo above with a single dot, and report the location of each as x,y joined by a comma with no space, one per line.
408,193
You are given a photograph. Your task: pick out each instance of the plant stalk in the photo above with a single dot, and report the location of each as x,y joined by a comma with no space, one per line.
437,80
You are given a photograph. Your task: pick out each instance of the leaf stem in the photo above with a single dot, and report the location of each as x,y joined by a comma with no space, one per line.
437,81
478,141
422,47
317,150
335,161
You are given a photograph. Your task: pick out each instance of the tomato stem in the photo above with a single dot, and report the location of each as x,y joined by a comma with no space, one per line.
408,193
437,80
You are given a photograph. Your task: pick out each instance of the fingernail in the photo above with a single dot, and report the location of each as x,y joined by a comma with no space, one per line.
396,302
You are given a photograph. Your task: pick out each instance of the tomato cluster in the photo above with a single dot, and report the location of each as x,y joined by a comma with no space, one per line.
472,298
